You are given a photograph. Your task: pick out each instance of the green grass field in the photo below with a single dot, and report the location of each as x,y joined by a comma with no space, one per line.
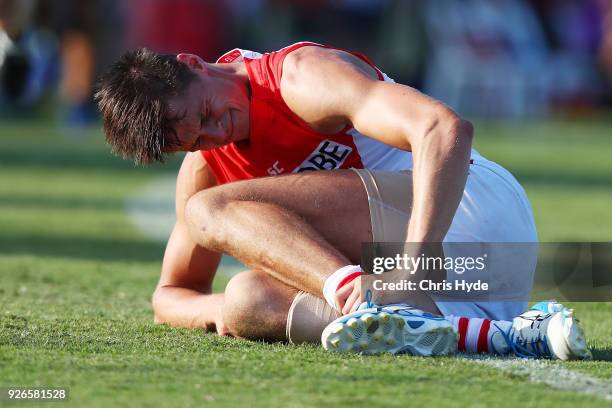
77,278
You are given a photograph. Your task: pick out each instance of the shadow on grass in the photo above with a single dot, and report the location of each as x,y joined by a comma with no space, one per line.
602,354
566,179
64,203
95,159
111,249
66,158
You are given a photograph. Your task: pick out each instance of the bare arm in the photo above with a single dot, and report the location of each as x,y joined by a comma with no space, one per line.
330,89
184,293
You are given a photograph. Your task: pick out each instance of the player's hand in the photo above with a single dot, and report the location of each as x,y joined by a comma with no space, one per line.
348,297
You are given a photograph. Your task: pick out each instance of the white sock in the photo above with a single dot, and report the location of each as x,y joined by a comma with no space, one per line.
475,333
338,279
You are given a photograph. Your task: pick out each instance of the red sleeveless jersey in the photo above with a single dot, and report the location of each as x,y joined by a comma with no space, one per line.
280,142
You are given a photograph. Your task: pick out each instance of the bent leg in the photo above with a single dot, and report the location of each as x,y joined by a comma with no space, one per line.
298,228
256,306
259,307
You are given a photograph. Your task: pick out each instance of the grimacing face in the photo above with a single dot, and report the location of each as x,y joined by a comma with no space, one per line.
212,112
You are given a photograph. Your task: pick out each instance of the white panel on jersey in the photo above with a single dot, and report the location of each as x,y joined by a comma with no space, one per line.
377,155
250,54
243,53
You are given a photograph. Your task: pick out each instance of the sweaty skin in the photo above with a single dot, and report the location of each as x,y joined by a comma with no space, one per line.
328,89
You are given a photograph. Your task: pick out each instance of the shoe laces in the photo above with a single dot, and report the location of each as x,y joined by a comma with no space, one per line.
536,347
368,299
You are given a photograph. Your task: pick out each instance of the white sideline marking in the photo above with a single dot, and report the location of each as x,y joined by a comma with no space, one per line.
553,375
151,210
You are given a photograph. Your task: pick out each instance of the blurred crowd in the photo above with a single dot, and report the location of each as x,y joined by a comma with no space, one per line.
485,58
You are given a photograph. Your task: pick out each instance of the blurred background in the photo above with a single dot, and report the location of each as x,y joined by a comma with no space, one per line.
534,75
494,59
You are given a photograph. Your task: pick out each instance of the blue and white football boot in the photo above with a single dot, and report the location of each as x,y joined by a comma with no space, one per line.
395,329
547,330
548,306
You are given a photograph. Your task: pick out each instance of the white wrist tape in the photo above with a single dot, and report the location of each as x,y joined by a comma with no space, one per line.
332,283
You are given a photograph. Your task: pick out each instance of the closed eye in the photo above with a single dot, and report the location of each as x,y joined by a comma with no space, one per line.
204,117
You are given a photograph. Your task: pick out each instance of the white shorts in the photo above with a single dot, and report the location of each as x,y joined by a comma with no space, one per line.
494,209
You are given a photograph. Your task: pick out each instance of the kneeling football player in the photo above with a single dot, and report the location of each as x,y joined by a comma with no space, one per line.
404,171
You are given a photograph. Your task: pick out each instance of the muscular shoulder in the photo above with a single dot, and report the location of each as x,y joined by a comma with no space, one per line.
319,84
311,61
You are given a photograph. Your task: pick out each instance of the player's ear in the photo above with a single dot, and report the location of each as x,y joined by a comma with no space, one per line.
192,61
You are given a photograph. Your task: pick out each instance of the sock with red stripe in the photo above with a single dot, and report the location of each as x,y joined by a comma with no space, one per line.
475,334
338,279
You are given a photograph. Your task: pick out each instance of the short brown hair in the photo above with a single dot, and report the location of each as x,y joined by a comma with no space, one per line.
132,97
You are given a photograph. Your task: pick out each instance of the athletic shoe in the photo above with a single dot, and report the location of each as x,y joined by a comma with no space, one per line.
548,306
395,329
538,333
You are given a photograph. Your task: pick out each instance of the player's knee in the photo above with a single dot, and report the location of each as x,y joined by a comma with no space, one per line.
247,300
242,298
203,214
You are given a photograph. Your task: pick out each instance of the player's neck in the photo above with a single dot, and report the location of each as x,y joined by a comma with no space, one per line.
234,69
